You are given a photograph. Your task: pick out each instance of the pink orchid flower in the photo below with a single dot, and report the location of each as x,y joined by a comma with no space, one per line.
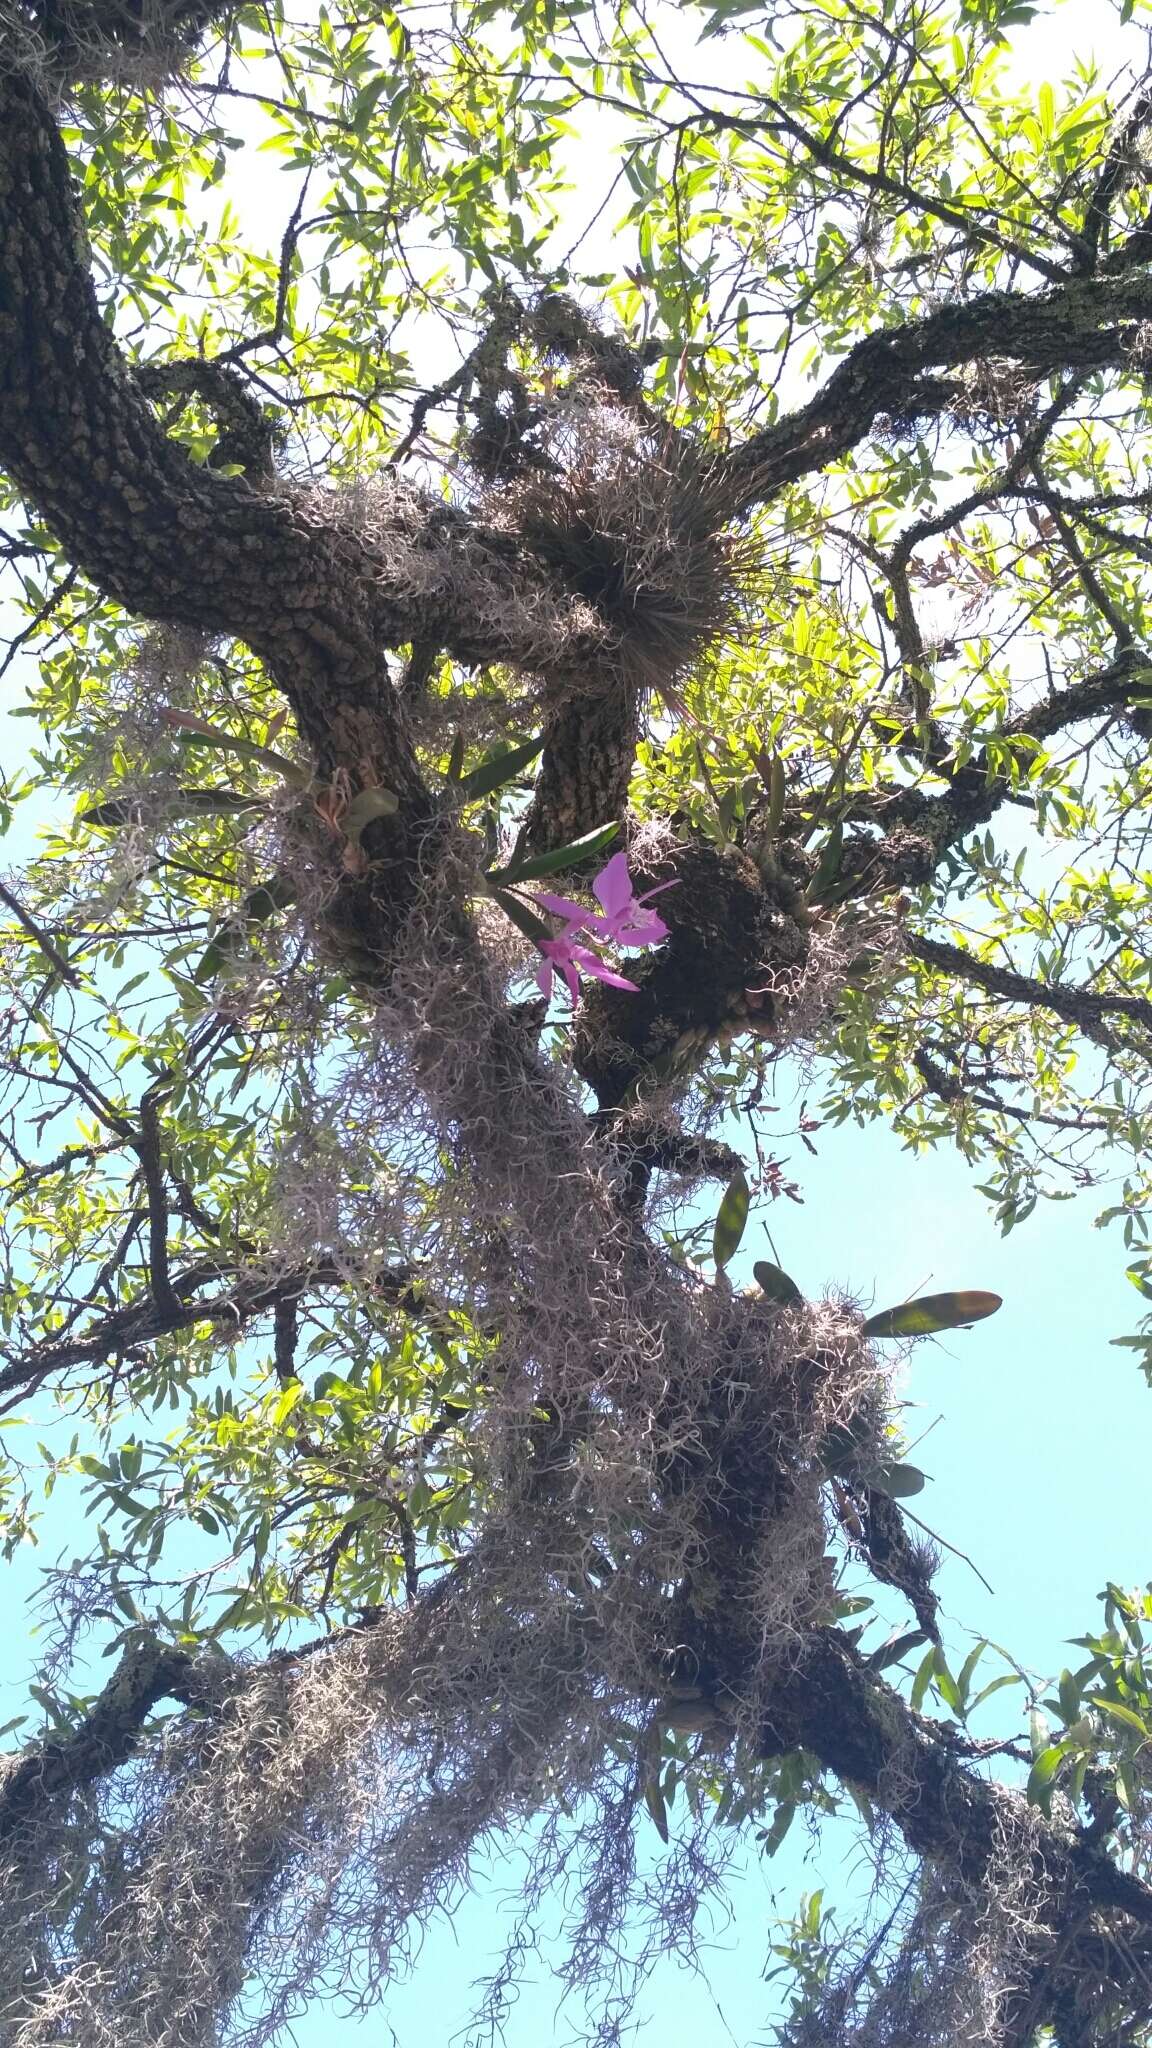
626,921
563,956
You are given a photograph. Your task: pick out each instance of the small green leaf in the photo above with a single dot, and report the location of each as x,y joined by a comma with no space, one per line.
273,895
654,1801
775,1284
499,769
1125,1714
365,809
946,1685
968,1668
828,866
554,863
777,795
1042,1776
895,1648
525,920
932,1312
925,1673
731,1219
782,1820
842,1445
995,1685
1069,1693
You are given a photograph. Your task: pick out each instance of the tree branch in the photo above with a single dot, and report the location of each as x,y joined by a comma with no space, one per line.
109,1734
1080,1006
1085,324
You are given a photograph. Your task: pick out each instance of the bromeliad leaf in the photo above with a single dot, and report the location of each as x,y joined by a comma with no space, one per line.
931,1313
731,1219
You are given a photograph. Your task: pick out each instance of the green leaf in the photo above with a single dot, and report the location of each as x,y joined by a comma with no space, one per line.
731,1219
1128,1715
776,1284
1042,1776
275,894
932,1312
967,1670
925,1673
554,863
777,795
266,757
895,1648
898,1481
184,803
259,905
654,1801
782,1820
1069,1693
499,769
525,920
946,1685
365,809
828,866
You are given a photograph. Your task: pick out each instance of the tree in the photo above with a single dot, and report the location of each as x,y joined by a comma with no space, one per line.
783,552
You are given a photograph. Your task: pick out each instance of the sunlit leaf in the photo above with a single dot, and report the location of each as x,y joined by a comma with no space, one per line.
931,1313
731,1219
776,1284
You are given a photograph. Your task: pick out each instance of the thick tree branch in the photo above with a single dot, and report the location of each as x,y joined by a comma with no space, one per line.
920,829
1085,324
108,1735
1080,1006
860,1729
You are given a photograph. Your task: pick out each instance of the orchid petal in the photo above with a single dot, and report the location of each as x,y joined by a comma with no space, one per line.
562,906
647,931
613,886
592,965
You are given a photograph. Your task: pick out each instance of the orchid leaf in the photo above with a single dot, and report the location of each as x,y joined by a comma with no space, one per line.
498,770
776,1284
898,1481
184,803
561,857
365,809
524,919
931,1313
731,1219
247,750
